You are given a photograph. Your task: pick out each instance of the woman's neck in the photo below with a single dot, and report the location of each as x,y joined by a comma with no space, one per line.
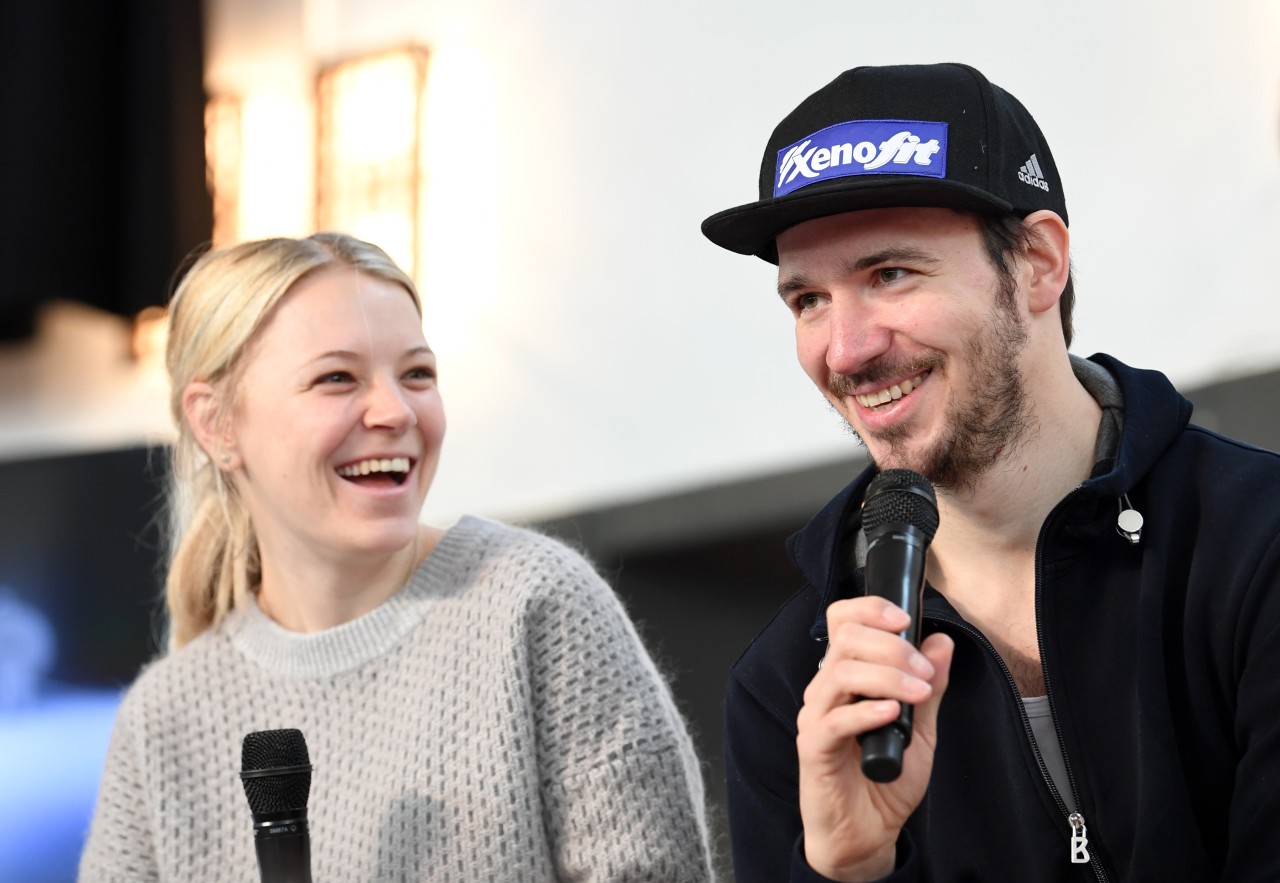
305,593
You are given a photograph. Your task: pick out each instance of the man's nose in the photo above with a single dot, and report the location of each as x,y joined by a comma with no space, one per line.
857,333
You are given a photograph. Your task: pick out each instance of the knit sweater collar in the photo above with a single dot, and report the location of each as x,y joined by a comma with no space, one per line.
343,648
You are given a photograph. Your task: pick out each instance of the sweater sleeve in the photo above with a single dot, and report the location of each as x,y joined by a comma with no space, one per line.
120,848
622,790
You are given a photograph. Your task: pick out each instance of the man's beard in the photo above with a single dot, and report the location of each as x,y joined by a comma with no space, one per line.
975,433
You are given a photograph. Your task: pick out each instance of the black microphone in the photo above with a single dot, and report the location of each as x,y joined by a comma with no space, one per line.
899,518
275,770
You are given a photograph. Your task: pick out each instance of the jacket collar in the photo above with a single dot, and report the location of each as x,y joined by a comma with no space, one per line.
1154,414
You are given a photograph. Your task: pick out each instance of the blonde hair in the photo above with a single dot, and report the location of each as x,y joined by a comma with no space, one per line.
214,316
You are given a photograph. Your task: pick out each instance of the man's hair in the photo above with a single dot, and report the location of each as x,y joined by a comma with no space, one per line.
1007,239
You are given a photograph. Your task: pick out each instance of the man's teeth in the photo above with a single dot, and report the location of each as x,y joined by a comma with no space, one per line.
889,394
364,467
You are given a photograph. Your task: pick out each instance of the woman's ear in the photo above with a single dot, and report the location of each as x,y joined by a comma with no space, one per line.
1049,259
204,409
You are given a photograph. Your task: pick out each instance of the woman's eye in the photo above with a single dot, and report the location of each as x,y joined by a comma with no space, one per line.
420,373
335,377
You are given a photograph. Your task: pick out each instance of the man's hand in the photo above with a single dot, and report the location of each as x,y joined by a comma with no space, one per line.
851,823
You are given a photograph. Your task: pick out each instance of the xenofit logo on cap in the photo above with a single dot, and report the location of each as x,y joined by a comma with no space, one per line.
863,147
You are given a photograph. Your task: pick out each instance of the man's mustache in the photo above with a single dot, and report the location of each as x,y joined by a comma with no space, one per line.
878,372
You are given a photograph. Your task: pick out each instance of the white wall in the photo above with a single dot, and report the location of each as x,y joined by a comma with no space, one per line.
596,348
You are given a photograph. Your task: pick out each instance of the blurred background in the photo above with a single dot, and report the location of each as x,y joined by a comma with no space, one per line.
543,168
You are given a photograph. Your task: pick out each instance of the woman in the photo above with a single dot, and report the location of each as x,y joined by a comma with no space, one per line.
474,700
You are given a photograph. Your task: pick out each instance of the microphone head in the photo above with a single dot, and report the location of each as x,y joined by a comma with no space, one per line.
275,770
901,496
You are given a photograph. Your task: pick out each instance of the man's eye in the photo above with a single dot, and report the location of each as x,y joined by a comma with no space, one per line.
891,274
804,302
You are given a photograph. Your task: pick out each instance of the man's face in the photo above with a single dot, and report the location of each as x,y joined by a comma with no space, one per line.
903,323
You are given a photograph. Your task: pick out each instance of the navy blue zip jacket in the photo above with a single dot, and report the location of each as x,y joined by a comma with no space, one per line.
1162,662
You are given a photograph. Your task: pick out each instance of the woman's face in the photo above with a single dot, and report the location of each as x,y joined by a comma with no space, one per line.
338,421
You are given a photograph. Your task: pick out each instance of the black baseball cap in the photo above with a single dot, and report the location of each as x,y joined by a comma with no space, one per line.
885,137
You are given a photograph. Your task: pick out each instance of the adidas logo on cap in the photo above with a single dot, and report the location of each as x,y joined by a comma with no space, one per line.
1030,174
895,135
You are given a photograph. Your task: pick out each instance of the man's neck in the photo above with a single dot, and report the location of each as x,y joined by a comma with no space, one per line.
1001,513
983,556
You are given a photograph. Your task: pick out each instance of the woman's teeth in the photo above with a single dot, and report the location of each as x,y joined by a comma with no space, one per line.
891,393
364,467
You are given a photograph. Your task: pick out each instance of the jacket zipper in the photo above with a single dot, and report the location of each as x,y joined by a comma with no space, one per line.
1080,853
1079,838
1079,832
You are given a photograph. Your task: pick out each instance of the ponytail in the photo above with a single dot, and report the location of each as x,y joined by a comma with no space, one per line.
214,562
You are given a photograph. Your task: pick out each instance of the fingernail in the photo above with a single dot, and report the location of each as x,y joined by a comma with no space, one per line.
920,665
897,617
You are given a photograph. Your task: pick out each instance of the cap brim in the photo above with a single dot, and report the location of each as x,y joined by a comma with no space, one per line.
751,229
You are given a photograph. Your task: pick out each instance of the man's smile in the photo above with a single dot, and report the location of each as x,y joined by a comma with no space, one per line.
890,393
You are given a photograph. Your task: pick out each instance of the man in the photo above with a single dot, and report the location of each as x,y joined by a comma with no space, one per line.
1097,692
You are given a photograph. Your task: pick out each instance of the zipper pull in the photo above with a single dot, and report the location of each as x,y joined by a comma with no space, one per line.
1079,839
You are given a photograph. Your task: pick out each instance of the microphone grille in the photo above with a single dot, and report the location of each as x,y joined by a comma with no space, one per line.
275,770
901,496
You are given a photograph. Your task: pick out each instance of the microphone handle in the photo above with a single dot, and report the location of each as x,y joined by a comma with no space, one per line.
284,850
895,571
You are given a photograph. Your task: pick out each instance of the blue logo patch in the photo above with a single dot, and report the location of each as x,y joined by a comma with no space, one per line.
863,147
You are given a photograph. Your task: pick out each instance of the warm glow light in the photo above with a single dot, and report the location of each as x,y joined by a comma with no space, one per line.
223,145
258,166
369,114
275,168
149,336
463,217
374,109
399,153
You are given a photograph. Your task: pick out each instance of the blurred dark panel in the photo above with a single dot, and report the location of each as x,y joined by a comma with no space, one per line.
102,187
698,608
81,550
1245,408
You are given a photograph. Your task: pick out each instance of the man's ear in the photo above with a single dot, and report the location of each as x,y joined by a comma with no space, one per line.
205,411
1048,258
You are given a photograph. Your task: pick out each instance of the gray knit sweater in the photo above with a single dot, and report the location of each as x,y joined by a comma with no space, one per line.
497,719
